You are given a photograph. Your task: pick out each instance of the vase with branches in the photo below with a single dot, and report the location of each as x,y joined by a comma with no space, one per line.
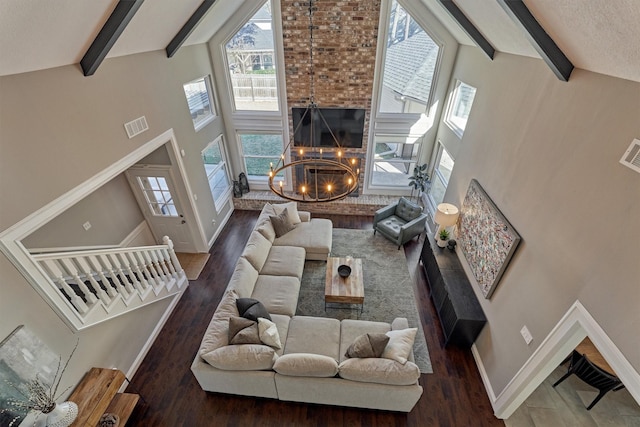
39,397
419,180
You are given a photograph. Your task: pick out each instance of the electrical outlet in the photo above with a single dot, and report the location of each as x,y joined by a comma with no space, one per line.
526,335
86,226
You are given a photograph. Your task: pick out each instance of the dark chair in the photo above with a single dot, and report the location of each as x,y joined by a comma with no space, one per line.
400,221
584,369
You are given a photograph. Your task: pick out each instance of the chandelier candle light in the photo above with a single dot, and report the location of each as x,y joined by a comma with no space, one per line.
310,159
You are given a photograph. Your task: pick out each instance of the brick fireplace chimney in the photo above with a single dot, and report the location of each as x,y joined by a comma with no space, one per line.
344,54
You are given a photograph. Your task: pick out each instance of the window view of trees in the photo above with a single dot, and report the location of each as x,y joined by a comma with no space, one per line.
252,68
260,150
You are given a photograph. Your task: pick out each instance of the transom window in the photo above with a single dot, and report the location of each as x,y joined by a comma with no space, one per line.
251,64
460,107
200,101
410,64
215,166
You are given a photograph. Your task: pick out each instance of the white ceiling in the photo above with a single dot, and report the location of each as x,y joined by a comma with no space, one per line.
597,35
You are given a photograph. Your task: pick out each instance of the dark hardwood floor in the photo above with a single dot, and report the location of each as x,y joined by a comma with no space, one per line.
453,395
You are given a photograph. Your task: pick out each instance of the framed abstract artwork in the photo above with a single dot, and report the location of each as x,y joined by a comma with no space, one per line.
23,356
486,238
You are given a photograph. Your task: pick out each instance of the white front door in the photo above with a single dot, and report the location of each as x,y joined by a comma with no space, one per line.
157,196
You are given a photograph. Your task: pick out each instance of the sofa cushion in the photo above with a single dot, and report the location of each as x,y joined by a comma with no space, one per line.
284,261
243,278
291,208
257,250
268,333
306,365
314,236
400,344
217,333
243,331
379,371
407,210
351,329
279,294
247,357
391,225
252,309
316,335
263,223
368,345
282,223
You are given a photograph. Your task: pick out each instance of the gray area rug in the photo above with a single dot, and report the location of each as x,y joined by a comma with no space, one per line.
388,289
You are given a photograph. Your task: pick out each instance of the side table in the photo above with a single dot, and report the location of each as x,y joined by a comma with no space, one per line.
97,394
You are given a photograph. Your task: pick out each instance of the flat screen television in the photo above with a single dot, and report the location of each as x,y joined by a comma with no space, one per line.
347,125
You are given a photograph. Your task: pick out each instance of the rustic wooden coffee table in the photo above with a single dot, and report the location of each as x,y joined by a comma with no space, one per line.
348,290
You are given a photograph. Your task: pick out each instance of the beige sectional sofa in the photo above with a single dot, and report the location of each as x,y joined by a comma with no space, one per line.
311,365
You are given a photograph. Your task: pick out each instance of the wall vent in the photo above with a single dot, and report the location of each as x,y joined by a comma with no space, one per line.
631,157
136,127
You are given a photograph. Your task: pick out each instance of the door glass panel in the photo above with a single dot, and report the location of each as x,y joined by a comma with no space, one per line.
156,193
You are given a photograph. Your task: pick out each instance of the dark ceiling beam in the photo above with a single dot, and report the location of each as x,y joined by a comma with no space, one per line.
541,41
468,27
106,38
188,28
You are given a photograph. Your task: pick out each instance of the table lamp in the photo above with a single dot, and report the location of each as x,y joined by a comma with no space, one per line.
446,216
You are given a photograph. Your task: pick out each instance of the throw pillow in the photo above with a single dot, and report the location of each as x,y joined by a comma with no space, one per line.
269,333
400,344
292,209
243,331
368,345
281,223
252,309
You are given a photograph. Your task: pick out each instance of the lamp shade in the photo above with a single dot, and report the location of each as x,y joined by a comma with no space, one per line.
446,215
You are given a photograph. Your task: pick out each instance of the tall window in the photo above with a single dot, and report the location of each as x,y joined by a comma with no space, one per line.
460,107
440,176
252,67
215,166
394,160
260,150
410,64
200,100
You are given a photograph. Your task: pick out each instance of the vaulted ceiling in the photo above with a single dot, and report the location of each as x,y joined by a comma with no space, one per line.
597,35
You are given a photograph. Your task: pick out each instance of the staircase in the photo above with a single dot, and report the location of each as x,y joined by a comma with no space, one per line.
92,286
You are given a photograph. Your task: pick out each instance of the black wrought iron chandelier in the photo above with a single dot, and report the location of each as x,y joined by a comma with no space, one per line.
318,175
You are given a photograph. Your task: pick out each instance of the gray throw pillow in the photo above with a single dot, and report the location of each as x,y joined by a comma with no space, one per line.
368,345
243,331
281,223
251,309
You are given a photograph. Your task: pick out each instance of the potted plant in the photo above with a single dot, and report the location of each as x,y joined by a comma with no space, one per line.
419,180
443,236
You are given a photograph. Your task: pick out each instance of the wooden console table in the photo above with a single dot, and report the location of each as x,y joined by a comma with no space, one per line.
460,313
97,394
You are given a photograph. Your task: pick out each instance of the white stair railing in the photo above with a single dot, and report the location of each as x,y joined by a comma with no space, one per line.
116,280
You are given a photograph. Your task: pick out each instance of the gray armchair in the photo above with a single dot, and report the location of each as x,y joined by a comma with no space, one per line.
400,221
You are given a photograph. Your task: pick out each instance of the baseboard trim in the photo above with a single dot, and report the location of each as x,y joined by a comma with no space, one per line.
575,325
220,227
154,334
141,231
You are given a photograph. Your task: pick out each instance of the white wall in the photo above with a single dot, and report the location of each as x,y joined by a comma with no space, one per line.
58,129
547,153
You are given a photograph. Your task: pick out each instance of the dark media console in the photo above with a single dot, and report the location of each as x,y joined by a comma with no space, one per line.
459,311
